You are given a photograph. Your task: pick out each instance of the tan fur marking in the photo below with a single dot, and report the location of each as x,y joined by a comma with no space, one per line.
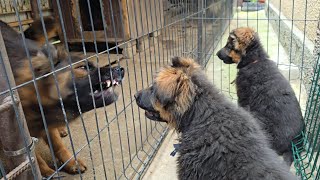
45,170
63,81
165,115
46,86
166,80
41,39
245,36
187,62
62,153
80,73
27,92
235,56
176,83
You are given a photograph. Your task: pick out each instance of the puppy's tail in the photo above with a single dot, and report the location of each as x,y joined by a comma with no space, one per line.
35,31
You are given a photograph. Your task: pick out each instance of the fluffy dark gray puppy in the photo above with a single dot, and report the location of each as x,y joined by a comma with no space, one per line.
264,91
219,141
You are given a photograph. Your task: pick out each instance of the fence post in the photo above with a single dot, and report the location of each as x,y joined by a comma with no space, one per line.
34,9
201,12
14,133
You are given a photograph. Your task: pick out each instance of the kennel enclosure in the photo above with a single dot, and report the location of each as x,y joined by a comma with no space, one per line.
117,141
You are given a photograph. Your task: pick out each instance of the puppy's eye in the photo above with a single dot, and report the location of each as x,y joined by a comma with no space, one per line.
84,67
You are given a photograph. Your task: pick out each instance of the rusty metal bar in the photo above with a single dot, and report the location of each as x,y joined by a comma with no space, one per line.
14,137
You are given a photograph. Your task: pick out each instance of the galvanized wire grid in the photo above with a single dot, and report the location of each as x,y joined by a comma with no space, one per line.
117,141
307,157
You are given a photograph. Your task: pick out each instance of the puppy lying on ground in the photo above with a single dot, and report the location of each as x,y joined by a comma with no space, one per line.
218,140
102,91
264,91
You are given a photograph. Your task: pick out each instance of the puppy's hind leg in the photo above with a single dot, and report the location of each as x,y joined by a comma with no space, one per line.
45,170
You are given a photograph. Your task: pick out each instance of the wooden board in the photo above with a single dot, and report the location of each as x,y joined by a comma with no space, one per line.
124,19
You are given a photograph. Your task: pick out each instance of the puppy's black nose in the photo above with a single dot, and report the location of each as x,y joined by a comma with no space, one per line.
218,53
118,69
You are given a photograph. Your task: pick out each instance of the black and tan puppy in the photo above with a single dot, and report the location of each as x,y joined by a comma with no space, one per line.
218,140
51,89
263,90
35,31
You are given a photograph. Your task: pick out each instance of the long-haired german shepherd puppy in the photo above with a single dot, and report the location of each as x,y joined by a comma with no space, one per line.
263,90
63,79
219,140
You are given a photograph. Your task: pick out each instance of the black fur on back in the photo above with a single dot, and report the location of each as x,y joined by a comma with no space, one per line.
267,94
221,141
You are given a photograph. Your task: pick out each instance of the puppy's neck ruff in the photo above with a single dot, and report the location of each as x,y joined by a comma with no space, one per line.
253,55
201,104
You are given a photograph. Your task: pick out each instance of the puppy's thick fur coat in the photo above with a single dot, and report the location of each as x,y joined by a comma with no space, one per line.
264,91
218,140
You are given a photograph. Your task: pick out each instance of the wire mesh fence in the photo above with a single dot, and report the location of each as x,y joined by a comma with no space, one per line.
307,156
70,86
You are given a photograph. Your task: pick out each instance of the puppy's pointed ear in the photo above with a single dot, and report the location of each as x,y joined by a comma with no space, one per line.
49,50
178,91
62,53
41,62
182,62
176,62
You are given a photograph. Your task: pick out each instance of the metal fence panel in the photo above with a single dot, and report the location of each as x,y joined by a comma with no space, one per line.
116,141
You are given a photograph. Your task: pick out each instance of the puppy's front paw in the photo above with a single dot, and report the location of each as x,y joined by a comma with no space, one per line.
73,168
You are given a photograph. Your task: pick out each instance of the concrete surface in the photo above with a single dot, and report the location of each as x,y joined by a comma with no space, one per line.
163,165
304,14
295,42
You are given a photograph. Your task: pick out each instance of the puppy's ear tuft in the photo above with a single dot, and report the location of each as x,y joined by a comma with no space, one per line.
49,50
176,61
41,62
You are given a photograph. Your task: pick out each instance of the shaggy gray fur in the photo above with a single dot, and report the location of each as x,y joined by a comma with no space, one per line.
219,140
223,142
